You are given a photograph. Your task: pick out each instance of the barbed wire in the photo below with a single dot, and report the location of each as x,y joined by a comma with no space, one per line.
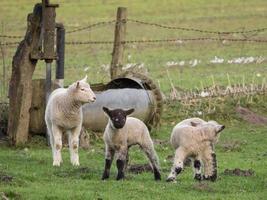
9,43
179,40
11,36
91,26
196,30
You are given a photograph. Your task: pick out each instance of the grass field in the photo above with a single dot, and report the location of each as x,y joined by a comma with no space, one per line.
216,15
241,145
27,172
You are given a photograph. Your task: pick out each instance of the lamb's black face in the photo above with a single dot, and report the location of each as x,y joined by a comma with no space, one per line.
118,116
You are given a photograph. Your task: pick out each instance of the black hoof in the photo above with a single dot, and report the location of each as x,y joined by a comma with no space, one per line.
120,177
157,175
171,179
104,177
212,178
198,177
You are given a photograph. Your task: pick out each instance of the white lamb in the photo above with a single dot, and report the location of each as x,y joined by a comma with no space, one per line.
195,138
120,134
64,114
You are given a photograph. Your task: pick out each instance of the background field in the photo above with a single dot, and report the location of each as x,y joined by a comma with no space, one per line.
207,15
242,145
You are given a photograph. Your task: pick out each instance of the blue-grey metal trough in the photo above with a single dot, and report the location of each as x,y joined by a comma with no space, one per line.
131,90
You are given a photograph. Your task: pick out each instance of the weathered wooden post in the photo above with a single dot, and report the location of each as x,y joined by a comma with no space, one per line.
38,44
119,37
20,86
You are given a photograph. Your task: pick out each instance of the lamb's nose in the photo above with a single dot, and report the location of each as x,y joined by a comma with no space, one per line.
94,98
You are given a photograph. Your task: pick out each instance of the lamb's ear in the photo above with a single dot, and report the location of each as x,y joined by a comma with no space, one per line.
84,79
130,111
106,110
78,84
195,124
219,128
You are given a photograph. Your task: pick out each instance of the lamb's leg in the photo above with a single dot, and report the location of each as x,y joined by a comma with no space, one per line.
148,148
57,145
210,164
178,164
126,160
74,145
121,161
197,169
109,155
51,138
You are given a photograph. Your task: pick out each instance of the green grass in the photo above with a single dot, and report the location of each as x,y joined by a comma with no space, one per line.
241,145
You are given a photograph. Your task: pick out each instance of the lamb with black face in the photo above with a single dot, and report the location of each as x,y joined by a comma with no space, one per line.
120,134
117,116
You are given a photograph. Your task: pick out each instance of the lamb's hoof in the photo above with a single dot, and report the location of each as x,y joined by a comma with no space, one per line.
198,177
104,177
56,163
212,178
75,162
157,176
120,177
171,179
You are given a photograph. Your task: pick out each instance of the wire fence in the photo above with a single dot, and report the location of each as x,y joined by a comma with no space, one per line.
11,41
220,34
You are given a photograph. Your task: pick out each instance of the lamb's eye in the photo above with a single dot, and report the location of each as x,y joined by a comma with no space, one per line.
82,89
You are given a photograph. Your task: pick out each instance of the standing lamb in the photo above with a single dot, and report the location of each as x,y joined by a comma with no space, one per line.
120,134
195,138
64,114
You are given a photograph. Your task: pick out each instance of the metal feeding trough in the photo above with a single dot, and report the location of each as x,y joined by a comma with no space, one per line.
130,90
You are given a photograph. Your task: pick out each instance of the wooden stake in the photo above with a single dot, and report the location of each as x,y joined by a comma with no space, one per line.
120,33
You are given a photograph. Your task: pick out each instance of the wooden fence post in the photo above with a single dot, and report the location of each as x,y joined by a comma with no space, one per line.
20,86
119,37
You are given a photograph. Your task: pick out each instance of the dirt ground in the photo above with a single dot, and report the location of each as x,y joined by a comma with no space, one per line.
250,116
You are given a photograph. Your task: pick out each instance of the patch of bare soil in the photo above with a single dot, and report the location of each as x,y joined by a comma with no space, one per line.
139,168
231,145
81,172
239,172
5,178
203,186
251,117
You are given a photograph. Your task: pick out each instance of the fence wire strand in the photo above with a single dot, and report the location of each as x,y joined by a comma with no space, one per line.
179,40
219,33
11,36
91,26
196,30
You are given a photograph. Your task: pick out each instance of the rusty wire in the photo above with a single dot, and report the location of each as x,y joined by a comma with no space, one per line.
11,36
107,42
196,30
9,43
91,26
167,40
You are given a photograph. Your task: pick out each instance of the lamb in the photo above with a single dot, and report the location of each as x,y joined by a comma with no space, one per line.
120,134
195,138
64,114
